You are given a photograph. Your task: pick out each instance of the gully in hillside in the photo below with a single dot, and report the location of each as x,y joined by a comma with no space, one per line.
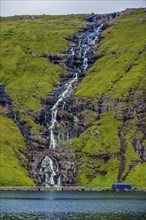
82,50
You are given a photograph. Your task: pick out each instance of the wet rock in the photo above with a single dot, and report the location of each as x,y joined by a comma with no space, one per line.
65,160
5,100
139,148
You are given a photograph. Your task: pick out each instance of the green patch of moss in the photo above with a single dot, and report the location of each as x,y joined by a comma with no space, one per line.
88,117
14,157
100,138
32,83
111,171
130,154
34,127
139,174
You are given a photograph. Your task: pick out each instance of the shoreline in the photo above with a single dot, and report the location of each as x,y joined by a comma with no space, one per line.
67,189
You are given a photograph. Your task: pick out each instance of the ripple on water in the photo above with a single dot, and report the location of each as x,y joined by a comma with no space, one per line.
72,206
73,216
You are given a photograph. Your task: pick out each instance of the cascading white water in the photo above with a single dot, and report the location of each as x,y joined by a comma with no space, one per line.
85,63
62,97
49,167
72,51
81,50
50,170
89,38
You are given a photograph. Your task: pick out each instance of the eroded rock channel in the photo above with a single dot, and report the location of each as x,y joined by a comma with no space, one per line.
52,164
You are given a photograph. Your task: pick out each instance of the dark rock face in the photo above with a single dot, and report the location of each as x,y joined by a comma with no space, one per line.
5,100
139,148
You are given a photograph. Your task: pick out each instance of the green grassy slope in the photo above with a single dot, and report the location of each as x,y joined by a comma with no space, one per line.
97,150
114,77
97,143
14,155
28,78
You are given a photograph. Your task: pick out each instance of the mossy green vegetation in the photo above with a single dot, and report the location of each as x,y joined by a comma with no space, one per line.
29,123
28,78
130,154
87,116
34,83
98,152
123,65
100,138
14,155
110,169
96,145
139,173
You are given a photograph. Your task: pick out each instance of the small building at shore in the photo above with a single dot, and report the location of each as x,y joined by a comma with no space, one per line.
121,186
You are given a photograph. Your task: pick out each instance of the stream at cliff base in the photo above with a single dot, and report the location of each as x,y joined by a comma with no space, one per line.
73,205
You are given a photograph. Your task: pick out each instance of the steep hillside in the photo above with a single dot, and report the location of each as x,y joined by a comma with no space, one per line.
112,96
27,77
14,155
99,130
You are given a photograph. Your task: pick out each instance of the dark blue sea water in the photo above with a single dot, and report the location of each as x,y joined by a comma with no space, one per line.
73,205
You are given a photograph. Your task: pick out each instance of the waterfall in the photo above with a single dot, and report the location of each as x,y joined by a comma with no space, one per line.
82,49
85,63
67,92
72,52
49,169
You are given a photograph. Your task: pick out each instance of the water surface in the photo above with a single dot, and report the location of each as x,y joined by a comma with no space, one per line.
73,205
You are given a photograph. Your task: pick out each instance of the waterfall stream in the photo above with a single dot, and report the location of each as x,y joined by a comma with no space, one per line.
54,110
82,50
51,171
